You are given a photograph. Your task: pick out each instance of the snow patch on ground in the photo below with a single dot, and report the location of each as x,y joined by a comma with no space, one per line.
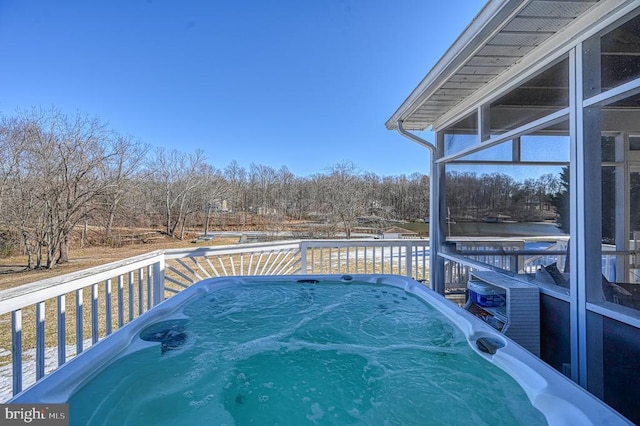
29,367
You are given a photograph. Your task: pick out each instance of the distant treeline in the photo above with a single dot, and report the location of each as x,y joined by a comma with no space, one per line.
60,173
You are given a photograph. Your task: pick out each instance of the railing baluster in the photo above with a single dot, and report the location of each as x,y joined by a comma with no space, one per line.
221,262
149,288
107,306
233,264
408,253
425,261
415,269
131,295
204,271
326,261
250,264
364,258
213,268
94,315
40,318
16,352
274,263
266,263
372,261
393,262
192,279
120,301
79,322
62,329
330,261
255,270
356,253
186,277
140,291
289,265
279,268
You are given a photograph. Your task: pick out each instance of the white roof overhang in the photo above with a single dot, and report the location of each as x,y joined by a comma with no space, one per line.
505,40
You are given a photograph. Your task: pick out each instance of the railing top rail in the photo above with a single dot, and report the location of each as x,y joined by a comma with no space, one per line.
510,252
557,238
230,249
28,294
358,242
469,262
289,244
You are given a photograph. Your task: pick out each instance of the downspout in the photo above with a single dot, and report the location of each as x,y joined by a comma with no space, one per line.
436,238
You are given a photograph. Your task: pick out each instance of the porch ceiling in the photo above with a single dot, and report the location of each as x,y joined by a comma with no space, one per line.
499,37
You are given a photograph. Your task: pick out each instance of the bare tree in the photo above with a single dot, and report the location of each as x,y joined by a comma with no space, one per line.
178,174
211,193
123,172
346,195
236,177
21,209
65,158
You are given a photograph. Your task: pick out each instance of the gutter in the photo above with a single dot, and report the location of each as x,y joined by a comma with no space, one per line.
436,237
416,139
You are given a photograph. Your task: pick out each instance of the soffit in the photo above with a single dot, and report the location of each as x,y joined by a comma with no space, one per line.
504,32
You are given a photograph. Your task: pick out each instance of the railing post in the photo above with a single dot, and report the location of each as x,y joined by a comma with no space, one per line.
158,280
303,257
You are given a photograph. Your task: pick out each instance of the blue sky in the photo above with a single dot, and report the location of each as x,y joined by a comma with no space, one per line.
303,84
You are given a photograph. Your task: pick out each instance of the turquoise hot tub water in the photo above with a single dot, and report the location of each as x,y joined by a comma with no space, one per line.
299,351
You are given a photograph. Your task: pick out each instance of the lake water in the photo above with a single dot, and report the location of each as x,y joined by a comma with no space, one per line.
524,229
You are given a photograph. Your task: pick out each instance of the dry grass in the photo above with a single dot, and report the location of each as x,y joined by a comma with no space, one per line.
13,269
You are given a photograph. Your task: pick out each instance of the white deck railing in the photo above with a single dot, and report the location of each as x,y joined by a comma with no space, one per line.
27,312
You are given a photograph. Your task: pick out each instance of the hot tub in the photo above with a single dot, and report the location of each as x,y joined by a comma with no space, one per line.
361,349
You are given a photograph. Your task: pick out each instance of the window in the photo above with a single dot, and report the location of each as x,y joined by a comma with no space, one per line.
461,135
